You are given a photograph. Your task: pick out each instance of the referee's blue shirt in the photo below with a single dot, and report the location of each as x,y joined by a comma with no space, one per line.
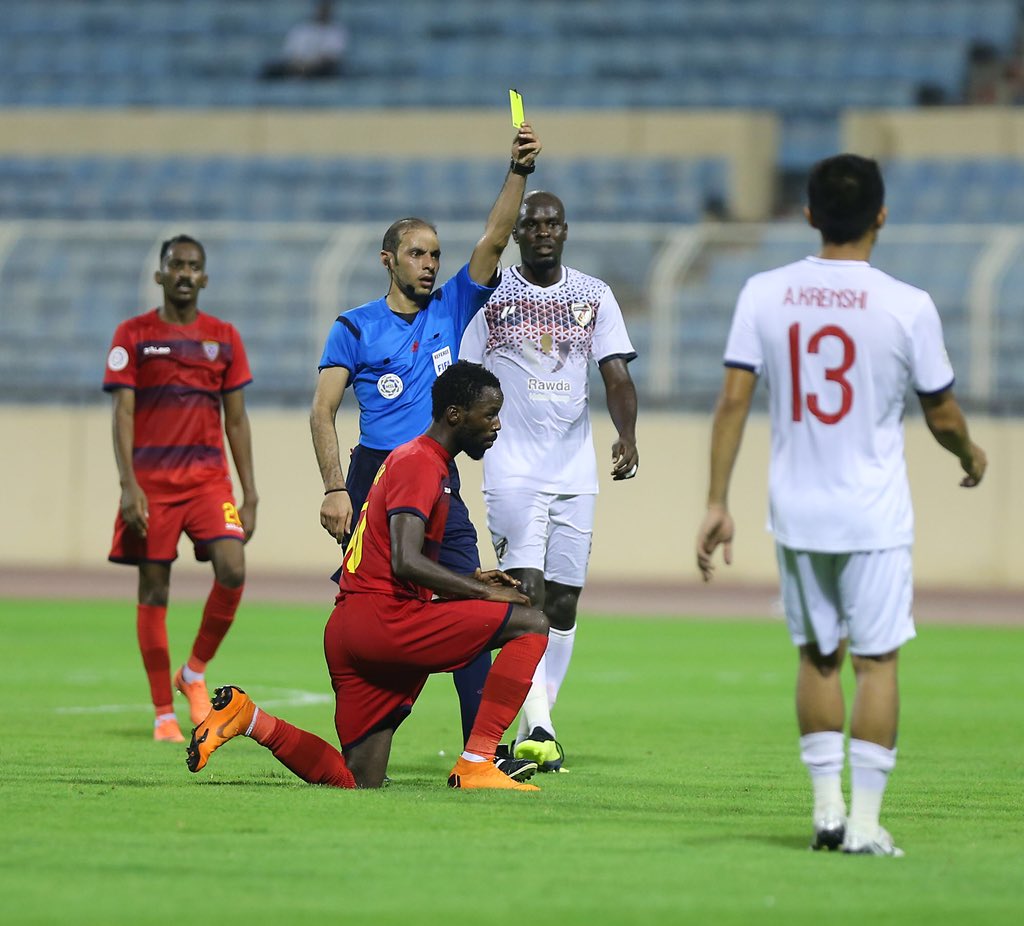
392,363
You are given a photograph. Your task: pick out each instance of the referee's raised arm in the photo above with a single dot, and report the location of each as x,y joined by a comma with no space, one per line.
483,264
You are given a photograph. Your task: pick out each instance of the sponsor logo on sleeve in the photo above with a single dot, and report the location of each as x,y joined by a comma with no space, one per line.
117,359
390,386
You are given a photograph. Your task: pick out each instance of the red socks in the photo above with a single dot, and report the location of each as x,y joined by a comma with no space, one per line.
305,754
218,615
151,629
504,692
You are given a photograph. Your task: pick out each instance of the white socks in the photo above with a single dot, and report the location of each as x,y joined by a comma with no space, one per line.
189,676
535,711
559,652
870,765
547,682
822,753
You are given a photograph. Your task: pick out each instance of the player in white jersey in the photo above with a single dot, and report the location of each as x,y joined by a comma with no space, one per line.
839,343
538,333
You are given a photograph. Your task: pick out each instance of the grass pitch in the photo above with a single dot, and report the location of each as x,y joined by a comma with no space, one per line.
686,802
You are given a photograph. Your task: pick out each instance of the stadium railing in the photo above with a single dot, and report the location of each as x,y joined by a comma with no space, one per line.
66,286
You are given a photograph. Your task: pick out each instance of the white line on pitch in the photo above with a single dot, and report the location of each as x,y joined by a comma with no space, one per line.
286,697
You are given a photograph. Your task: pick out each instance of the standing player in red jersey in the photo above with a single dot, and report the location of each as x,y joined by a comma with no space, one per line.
401,616
169,371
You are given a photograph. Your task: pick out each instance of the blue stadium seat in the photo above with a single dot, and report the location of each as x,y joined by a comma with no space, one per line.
304,189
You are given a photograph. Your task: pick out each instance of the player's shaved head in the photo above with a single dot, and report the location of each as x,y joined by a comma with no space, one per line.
845,193
393,236
537,198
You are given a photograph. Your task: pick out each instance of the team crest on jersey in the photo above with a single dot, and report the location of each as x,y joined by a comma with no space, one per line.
582,312
390,386
442,359
211,349
117,359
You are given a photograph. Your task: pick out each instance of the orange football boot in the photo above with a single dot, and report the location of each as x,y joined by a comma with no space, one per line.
167,731
468,775
198,696
232,715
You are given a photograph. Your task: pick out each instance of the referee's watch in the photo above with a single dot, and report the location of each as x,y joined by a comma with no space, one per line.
520,169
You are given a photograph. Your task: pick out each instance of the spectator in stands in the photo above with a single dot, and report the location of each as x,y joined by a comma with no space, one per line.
314,48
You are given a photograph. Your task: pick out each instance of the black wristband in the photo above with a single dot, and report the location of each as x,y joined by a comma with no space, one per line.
522,169
329,491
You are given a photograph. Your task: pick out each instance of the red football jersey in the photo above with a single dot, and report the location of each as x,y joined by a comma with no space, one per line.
414,478
179,373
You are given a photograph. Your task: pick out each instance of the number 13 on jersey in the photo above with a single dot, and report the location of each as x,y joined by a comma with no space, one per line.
835,374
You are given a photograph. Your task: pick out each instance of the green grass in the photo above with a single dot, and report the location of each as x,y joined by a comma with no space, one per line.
686,803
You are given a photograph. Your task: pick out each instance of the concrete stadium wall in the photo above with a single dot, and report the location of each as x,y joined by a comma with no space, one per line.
940,132
59,496
748,141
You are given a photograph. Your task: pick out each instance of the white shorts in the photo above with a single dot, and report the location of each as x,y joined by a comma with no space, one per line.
866,597
541,530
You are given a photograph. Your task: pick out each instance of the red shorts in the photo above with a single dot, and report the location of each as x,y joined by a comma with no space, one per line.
206,517
381,650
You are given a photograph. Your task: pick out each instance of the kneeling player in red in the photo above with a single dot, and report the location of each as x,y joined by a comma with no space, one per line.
170,371
388,633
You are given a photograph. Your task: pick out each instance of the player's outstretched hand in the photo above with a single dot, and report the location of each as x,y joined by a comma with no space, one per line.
625,460
716,530
336,515
526,146
974,467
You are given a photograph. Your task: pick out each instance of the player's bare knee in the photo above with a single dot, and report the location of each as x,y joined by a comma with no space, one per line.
154,584
155,597
526,620
532,585
229,566
367,779
823,663
561,604
368,760
232,576
875,662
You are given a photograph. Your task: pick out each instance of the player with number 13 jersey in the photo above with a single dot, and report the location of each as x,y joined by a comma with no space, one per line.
839,343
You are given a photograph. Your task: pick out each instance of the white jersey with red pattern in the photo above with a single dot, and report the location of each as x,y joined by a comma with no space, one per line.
539,342
839,343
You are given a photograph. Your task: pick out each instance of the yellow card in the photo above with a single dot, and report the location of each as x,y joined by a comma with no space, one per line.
515,100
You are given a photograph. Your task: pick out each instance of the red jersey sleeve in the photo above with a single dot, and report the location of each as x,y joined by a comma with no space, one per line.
412,485
121,367
237,374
